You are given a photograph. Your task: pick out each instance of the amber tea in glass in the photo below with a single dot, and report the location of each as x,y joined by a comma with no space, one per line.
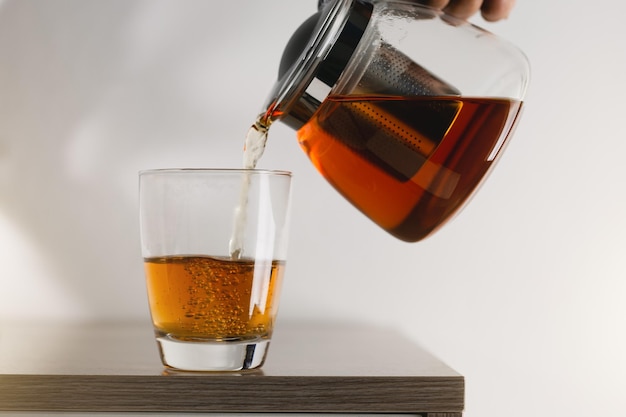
214,308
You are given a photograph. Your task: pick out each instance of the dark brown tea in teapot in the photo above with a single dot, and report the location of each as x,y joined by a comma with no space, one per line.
408,163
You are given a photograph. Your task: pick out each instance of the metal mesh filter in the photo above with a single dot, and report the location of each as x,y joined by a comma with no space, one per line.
389,133
391,72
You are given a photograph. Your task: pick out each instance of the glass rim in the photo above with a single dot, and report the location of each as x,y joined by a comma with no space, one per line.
256,171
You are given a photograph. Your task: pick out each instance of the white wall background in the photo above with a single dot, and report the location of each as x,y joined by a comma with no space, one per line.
524,293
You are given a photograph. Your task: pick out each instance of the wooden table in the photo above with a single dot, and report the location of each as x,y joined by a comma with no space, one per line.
311,368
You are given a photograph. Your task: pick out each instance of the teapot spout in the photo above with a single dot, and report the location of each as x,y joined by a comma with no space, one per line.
314,59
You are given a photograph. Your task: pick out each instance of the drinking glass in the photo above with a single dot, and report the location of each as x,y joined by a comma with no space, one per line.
214,244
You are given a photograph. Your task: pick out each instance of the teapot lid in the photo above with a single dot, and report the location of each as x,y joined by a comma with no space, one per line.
314,59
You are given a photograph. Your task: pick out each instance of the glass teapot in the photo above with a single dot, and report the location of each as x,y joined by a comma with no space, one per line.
401,107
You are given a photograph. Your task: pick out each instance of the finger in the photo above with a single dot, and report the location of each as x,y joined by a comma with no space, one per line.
493,10
463,8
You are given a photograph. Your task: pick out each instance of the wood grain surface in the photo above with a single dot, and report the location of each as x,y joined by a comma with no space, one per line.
311,368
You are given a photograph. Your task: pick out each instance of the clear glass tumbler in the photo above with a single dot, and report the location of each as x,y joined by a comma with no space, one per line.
214,243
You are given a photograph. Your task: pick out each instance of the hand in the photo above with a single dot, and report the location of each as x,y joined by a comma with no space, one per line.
491,10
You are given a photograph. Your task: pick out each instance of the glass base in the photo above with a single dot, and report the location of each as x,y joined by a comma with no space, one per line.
201,355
